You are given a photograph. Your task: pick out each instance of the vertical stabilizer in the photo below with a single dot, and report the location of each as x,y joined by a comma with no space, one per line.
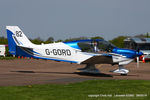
16,38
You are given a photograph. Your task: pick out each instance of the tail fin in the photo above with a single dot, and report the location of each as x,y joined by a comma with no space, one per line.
16,38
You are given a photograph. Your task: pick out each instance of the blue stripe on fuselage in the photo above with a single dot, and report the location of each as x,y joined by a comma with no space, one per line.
73,45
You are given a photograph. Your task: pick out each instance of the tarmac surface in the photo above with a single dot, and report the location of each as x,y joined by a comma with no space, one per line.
32,71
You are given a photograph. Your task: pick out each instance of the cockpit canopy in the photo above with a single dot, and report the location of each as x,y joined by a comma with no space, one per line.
95,46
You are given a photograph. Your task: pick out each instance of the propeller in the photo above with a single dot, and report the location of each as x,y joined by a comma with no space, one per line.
137,60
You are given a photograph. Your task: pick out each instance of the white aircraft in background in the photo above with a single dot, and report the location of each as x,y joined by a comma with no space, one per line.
2,50
89,52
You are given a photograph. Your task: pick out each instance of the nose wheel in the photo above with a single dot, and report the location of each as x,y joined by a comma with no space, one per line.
121,70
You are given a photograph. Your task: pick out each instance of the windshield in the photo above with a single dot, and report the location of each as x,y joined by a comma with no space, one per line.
105,46
96,46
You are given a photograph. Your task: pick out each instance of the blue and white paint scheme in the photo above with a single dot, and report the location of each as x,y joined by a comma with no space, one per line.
89,52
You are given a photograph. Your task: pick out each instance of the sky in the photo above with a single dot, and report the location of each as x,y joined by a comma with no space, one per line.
64,19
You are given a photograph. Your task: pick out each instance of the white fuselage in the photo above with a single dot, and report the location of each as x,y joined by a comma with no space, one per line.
60,51
63,52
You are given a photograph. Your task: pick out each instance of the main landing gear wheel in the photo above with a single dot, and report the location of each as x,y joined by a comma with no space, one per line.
121,70
89,68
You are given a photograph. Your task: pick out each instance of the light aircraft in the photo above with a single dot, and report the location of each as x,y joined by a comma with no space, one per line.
89,52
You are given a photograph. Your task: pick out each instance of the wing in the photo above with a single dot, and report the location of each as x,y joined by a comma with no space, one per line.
99,59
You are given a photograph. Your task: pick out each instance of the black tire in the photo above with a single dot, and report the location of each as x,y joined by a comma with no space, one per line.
123,74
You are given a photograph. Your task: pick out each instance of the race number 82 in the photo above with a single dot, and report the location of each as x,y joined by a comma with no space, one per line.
18,33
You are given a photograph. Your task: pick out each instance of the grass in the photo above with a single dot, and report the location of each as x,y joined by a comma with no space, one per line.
7,58
79,91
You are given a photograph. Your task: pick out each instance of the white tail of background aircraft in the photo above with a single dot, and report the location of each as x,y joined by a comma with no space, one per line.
2,50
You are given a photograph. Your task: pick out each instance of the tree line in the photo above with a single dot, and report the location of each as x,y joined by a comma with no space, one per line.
118,41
